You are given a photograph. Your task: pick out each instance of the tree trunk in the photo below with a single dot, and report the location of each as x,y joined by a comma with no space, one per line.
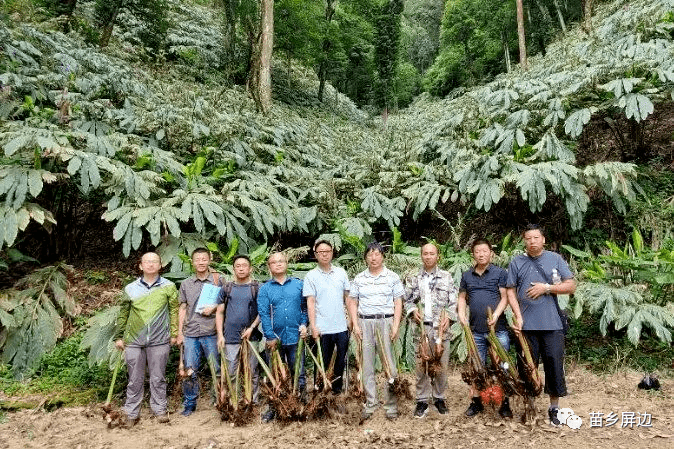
506,50
520,33
327,44
560,16
587,15
230,34
107,30
259,79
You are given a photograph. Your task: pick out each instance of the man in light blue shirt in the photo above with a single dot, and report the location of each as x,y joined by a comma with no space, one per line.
326,288
375,304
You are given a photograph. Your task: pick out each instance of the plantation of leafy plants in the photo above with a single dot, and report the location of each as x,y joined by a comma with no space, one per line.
134,152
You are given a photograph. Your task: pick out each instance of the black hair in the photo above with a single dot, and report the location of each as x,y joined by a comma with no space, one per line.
372,247
480,241
322,242
534,227
201,249
241,256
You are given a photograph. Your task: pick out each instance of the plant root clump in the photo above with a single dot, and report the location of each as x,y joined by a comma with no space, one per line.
321,405
113,417
240,416
401,388
286,404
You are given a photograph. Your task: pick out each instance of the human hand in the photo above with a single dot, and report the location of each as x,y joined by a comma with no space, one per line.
494,319
173,341
120,344
271,344
416,316
537,290
179,339
303,331
247,333
357,332
394,332
221,343
444,323
518,322
315,332
207,311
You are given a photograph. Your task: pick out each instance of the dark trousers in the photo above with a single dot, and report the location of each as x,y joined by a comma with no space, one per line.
288,354
330,343
549,346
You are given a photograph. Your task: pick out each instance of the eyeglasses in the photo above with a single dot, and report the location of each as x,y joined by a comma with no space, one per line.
327,251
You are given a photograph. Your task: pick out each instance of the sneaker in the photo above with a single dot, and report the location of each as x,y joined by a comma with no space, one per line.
552,414
421,410
163,418
504,410
130,422
187,411
475,407
268,416
391,416
440,405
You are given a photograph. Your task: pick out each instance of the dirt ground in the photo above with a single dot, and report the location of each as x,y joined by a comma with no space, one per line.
83,427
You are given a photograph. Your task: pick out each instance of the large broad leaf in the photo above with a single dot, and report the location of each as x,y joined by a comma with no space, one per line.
636,106
573,125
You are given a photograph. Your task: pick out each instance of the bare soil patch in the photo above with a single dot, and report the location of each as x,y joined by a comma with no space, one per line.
83,427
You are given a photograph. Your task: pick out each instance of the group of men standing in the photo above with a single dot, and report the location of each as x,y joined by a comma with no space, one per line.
326,306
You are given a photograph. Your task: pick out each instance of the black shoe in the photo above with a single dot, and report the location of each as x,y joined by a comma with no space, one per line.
421,410
268,416
475,407
552,414
440,405
505,411
187,411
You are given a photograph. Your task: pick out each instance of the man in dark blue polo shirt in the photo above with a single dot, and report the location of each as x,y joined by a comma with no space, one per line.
483,287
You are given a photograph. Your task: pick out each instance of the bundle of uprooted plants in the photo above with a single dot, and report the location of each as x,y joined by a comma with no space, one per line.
234,407
356,388
322,401
474,373
397,386
430,355
280,388
111,415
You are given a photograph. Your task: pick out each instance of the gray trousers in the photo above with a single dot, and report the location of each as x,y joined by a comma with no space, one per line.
370,344
427,387
232,357
155,357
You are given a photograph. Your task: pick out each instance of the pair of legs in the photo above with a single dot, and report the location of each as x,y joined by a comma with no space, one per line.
137,358
232,352
334,344
482,344
369,328
195,349
288,354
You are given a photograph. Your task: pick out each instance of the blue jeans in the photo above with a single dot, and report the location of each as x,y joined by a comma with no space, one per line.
195,349
482,343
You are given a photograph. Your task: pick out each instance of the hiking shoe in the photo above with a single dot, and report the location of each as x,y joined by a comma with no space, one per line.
421,410
130,422
552,414
440,405
365,415
187,411
391,415
268,416
504,410
163,418
475,407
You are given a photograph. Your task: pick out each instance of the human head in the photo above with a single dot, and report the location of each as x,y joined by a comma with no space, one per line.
323,251
534,239
374,256
242,267
277,263
150,264
201,258
481,251
430,256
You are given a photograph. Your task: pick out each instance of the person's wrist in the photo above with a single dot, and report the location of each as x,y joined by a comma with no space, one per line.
547,289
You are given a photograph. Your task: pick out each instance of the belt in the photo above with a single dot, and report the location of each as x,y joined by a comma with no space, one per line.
428,323
377,316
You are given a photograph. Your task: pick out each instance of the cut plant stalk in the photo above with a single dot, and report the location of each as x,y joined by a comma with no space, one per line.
298,365
113,417
318,365
396,386
534,377
264,366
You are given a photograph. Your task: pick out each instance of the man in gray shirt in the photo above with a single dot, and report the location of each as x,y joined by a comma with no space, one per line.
535,279
196,328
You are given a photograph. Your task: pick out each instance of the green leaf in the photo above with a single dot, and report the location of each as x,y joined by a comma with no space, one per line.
573,125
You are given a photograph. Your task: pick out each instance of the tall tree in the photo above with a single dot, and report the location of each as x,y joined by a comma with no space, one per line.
521,35
259,78
327,44
387,39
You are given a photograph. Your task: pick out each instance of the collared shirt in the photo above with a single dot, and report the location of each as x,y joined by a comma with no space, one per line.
282,310
376,294
148,314
328,288
441,290
196,324
540,313
483,291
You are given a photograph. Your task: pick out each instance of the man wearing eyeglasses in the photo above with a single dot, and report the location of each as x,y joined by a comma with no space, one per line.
326,288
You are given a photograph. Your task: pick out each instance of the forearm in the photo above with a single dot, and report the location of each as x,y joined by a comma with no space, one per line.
220,320
397,311
567,287
311,310
352,308
182,313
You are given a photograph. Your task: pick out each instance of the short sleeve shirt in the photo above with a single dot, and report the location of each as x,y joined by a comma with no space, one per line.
540,313
376,294
482,292
328,288
240,313
196,324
